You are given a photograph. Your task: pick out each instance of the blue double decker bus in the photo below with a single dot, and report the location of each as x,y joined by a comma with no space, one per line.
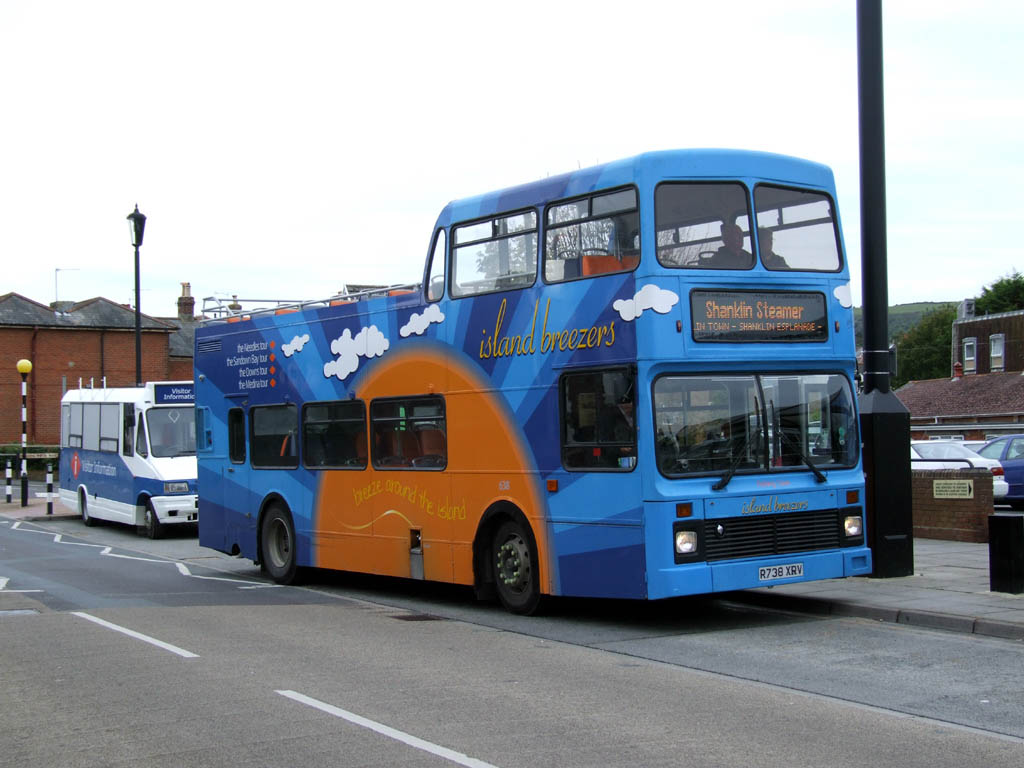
633,380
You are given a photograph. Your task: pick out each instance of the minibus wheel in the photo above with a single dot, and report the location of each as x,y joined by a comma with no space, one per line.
83,508
151,522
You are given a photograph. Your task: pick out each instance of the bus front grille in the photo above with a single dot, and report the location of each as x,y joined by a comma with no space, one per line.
737,537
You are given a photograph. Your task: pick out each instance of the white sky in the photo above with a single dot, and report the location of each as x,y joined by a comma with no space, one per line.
281,150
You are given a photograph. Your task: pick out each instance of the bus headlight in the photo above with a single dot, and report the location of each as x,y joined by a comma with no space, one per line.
177,487
853,525
686,542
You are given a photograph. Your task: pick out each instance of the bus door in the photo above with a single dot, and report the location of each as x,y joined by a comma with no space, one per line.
597,512
225,520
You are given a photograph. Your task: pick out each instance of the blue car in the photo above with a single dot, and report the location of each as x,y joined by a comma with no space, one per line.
1009,450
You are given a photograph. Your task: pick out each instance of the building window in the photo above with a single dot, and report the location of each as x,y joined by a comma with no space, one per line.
970,355
995,352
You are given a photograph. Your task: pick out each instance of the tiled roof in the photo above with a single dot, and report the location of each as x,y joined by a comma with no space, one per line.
15,309
182,340
989,393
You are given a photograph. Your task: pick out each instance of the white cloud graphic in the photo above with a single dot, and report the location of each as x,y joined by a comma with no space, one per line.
295,345
648,297
842,293
418,323
369,342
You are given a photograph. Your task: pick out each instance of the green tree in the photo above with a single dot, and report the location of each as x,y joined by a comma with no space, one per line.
1004,295
923,351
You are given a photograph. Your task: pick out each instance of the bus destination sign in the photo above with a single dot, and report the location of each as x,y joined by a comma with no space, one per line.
758,316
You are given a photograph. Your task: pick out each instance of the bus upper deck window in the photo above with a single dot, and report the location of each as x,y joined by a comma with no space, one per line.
796,229
702,225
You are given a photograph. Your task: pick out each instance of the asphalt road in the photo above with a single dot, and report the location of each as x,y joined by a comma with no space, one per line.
199,661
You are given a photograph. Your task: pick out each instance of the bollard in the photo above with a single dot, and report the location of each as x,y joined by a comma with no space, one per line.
49,488
8,481
1006,553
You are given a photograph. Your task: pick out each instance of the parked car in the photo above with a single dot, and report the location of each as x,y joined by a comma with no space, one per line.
1009,450
949,454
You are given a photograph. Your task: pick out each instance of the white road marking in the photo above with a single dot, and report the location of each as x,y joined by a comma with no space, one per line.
184,571
384,730
107,551
138,636
3,587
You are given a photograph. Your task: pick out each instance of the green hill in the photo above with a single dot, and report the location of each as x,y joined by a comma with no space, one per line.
902,317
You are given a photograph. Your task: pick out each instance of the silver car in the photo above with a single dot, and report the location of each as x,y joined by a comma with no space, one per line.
948,454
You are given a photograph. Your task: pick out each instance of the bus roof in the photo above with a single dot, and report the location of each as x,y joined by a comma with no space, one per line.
649,166
153,392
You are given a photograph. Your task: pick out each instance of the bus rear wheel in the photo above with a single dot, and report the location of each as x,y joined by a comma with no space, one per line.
515,568
277,545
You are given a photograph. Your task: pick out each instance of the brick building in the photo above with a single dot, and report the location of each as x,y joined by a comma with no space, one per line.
85,341
983,396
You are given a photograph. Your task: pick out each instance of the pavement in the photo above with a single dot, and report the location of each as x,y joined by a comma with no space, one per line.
949,589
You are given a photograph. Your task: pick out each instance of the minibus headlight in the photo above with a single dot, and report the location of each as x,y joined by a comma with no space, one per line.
853,525
177,487
686,542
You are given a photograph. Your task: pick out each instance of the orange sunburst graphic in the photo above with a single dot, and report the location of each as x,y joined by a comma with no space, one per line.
364,518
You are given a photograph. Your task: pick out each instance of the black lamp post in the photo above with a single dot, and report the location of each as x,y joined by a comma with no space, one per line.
137,224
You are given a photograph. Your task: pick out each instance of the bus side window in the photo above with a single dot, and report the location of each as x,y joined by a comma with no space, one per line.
128,417
598,420
435,281
236,435
140,439
272,436
409,432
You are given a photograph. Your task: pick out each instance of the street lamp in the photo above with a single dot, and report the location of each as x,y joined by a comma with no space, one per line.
24,368
137,224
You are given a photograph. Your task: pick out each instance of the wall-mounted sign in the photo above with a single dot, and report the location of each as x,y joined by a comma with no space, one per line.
953,489
174,394
758,316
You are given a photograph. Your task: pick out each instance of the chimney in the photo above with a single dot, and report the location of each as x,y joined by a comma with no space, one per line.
958,370
186,304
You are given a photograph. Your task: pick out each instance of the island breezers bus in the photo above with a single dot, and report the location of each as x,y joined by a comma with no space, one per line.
632,381
128,455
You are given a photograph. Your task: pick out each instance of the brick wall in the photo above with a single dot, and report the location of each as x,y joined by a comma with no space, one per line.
58,353
951,519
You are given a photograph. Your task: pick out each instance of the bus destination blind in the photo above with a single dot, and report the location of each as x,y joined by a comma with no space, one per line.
758,316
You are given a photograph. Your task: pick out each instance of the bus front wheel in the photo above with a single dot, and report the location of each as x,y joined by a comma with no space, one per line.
151,523
277,545
515,568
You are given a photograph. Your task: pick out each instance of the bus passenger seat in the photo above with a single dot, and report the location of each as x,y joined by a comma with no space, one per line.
433,443
603,264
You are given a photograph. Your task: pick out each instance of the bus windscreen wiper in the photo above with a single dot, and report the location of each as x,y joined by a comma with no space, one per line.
724,481
819,476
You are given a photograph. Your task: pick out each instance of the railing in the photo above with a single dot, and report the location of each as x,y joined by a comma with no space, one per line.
219,308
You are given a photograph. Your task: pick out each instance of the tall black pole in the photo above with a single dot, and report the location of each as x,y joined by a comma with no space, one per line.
138,325
24,438
885,421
